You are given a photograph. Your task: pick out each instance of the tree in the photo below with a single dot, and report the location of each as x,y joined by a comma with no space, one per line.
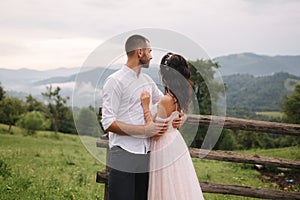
87,123
2,92
67,121
32,104
291,106
66,117
10,110
33,121
55,106
227,141
202,74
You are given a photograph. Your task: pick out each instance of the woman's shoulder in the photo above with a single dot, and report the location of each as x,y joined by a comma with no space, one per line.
166,106
166,99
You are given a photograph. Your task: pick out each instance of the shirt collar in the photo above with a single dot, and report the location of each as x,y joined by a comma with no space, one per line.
129,71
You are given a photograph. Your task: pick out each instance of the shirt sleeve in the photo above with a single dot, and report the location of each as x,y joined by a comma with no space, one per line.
110,101
156,94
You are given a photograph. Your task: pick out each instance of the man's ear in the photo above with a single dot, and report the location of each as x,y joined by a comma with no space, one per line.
139,53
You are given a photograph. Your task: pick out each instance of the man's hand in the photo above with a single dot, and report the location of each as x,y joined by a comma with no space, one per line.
162,128
178,122
155,128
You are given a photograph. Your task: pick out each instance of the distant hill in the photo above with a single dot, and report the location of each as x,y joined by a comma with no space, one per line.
96,76
258,65
21,82
263,93
253,81
259,93
23,79
27,80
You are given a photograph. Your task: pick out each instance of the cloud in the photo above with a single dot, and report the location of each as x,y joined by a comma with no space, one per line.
46,53
59,33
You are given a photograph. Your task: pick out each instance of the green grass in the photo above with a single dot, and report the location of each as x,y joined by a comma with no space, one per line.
273,114
286,152
238,173
49,166
227,173
46,166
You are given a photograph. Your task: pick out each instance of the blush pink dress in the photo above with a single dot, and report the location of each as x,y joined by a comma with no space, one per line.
172,175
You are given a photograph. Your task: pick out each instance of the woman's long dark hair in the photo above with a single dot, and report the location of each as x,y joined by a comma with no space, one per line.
176,76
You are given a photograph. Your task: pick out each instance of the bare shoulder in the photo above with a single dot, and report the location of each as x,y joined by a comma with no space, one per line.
165,106
166,100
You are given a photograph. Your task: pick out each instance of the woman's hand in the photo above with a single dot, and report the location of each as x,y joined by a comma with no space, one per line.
145,101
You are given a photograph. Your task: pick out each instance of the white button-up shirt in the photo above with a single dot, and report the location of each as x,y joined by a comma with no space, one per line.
121,102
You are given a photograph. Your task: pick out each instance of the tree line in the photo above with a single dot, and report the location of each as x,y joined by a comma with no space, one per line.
52,114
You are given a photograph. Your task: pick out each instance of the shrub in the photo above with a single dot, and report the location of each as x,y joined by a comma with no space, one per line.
33,121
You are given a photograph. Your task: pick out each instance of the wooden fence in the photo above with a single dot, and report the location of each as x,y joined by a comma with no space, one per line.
236,124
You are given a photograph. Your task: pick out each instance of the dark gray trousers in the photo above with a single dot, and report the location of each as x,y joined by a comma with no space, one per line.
128,175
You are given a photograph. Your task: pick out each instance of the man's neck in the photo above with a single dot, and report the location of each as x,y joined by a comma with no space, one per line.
135,67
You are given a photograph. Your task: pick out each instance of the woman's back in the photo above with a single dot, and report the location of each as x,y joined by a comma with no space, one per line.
172,174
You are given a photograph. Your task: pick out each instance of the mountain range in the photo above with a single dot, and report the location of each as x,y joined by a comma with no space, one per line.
21,82
258,65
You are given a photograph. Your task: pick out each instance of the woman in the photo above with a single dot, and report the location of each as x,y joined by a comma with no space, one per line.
172,174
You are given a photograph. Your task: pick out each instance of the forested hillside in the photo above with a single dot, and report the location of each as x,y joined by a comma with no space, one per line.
263,93
258,65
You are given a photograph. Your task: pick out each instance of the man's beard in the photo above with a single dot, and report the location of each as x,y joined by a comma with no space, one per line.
143,61
145,65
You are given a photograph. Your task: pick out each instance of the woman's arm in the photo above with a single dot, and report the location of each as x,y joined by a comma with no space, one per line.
165,108
145,102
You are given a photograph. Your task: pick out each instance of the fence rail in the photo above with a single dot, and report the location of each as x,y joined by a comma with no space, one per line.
233,157
235,124
229,189
245,124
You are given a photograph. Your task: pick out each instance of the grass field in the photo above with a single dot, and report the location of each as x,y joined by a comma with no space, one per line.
46,166
49,166
273,114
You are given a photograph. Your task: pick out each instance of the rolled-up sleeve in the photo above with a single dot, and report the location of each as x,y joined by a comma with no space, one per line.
156,93
110,102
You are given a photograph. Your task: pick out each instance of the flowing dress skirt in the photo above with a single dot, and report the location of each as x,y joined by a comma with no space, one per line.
172,174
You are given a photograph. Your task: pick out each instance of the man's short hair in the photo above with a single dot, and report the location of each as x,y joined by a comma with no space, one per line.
135,42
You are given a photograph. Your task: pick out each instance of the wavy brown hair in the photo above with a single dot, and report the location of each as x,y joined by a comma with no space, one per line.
176,76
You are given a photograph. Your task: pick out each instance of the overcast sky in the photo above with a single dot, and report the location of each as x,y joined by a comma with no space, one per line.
46,34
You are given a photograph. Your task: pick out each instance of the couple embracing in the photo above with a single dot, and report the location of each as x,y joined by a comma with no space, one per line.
148,156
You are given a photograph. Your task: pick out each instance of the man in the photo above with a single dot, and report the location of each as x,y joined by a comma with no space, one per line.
123,117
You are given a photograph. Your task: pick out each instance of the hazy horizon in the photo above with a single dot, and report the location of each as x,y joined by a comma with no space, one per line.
78,67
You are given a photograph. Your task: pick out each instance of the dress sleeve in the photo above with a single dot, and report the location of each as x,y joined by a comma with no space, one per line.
159,119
